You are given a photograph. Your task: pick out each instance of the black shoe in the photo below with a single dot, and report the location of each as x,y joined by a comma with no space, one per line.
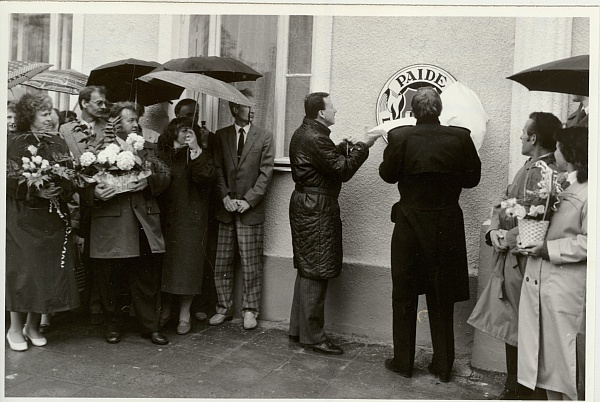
294,338
508,395
45,328
326,347
156,338
443,376
114,336
390,365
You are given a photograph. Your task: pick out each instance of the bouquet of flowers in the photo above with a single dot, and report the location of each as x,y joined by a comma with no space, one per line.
114,162
533,211
37,171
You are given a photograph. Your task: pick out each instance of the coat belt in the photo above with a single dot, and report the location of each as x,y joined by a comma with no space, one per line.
332,192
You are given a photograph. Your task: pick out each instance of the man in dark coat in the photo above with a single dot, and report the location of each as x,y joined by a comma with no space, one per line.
431,164
318,168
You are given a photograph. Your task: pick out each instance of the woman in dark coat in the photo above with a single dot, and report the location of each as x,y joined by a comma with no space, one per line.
40,253
184,208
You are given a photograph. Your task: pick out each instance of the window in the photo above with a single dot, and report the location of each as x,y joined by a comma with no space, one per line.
45,38
283,50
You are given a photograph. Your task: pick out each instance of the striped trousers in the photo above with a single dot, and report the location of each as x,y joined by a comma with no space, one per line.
308,310
248,241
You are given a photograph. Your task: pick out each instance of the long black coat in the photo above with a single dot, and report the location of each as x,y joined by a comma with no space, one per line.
431,164
184,212
315,217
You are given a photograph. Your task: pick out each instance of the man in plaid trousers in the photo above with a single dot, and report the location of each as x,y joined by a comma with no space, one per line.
244,158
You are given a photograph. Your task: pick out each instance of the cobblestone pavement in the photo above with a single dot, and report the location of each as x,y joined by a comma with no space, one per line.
223,362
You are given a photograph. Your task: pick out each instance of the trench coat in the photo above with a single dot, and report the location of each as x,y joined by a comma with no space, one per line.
115,223
497,310
315,221
249,178
553,297
431,164
184,211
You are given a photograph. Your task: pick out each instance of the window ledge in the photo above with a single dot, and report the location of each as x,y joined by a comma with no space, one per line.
283,164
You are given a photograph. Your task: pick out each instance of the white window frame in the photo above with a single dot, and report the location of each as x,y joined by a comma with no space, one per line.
320,70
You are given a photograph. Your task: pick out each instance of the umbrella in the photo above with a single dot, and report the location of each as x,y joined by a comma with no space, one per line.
64,81
222,68
119,78
170,80
21,71
568,76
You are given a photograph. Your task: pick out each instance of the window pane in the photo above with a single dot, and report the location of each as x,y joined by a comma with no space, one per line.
297,89
252,40
300,48
30,41
199,25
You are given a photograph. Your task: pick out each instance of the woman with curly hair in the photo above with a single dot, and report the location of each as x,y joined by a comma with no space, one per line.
552,308
184,207
40,253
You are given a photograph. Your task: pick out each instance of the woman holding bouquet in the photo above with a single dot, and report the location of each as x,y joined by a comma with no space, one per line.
184,207
553,293
40,252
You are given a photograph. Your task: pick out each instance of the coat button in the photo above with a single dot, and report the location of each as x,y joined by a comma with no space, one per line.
535,282
527,279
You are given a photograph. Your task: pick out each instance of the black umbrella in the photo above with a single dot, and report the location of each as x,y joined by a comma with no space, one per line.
568,76
119,78
222,68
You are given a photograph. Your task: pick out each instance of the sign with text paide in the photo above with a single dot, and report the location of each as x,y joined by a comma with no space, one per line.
397,93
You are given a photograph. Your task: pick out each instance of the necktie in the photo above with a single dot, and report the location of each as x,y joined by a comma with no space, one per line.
240,146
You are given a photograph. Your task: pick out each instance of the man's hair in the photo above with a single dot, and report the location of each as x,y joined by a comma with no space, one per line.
27,107
185,102
118,107
10,105
426,103
247,92
86,93
573,145
544,125
313,103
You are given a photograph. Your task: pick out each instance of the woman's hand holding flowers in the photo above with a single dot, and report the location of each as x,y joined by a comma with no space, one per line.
533,249
48,191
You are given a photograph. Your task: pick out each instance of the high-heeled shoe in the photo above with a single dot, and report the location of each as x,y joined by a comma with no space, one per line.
35,341
16,346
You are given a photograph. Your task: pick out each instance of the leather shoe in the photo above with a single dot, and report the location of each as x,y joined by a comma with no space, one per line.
390,365
326,347
16,346
443,376
44,328
219,319
200,316
250,320
114,336
294,338
156,338
183,327
34,341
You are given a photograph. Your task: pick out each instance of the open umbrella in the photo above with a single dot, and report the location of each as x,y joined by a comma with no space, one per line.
222,68
64,81
119,78
21,71
568,76
172,80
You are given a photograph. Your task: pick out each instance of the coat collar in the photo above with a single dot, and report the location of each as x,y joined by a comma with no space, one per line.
428,120
320,127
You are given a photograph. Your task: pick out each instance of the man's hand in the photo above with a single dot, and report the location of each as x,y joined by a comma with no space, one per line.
138,185
104,192
48,192
243,206
532,249
371,139
498,240
229,204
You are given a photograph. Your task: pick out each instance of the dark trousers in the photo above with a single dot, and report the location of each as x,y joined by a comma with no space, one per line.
142,274
308,310
441,321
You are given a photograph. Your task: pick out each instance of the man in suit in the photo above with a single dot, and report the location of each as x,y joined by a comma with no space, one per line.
90,130
244,158
431,164
580,117
126,240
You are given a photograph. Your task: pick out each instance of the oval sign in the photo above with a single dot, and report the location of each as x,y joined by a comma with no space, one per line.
397,93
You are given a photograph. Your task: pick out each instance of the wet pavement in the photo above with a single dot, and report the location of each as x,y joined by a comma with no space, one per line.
223,362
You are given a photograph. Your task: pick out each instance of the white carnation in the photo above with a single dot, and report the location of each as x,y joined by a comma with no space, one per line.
87,158
25,160
107,155
37,160
32,150
45,164
125,160
113,148
136,141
